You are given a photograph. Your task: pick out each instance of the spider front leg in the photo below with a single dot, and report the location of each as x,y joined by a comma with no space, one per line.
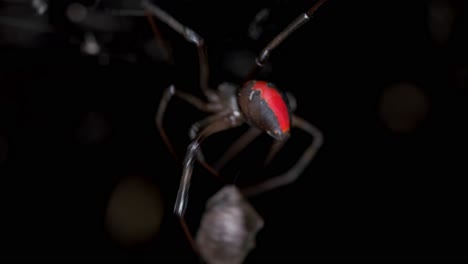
167,96
193,133
197,103
293,26
293,173
197,126
190,36
220,124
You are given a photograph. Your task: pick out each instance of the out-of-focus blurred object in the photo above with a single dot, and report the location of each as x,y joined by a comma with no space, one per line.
403,107
228,228
256,26
90,45
135,211
159,51
441,16
23,22
238,62
93,128
40,6
105,29
98,16
76,12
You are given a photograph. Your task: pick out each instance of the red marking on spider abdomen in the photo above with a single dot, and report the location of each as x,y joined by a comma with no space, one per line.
275,102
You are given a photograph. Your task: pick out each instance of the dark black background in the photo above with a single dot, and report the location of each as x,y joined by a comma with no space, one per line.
370,193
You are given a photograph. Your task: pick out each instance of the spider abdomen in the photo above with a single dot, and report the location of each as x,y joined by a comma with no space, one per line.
264,106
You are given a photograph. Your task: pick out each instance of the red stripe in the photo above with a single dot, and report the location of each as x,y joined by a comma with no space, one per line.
275,102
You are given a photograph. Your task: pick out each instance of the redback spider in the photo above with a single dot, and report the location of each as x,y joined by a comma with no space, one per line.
257,103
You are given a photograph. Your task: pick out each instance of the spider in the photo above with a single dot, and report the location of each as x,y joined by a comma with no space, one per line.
258,103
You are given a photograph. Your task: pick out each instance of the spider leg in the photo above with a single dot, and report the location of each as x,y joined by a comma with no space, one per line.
293,26
160,40
192,37
195,128
215,127
167,96
237,147
293,173
292,102
188,234
275,148
212,124
194,131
